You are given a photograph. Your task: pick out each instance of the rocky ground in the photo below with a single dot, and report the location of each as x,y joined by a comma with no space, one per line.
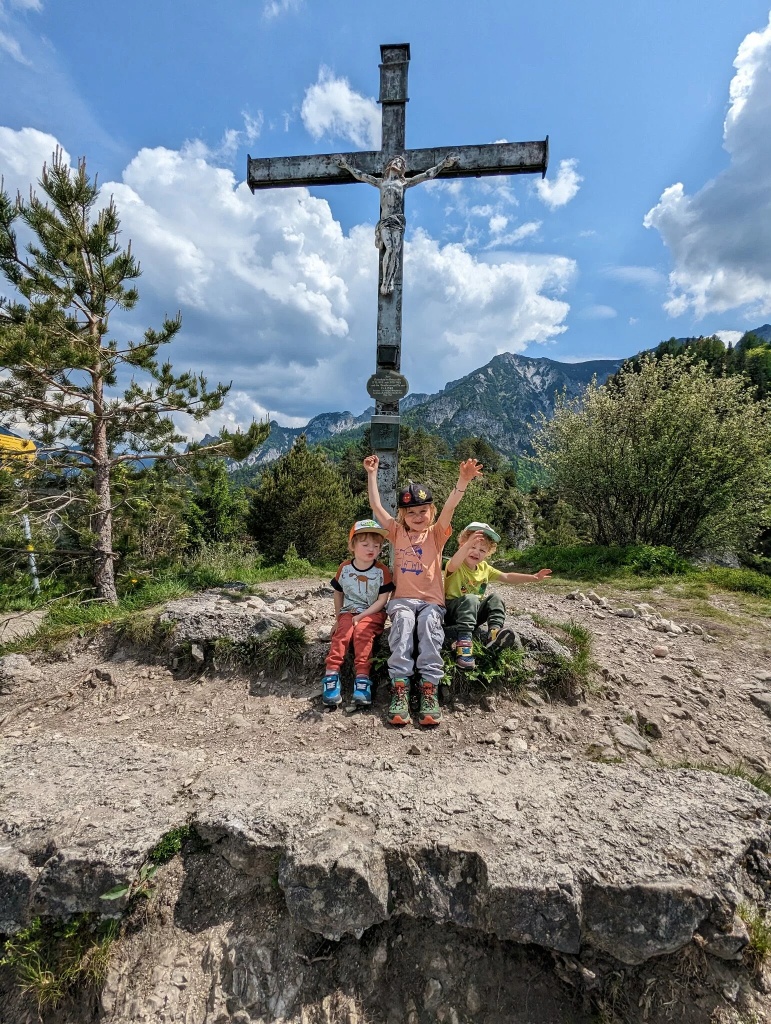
511,863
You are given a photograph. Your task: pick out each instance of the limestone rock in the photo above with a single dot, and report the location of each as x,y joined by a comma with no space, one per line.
625,736
17,668
762,699
18,879
535,638
521,856
335,884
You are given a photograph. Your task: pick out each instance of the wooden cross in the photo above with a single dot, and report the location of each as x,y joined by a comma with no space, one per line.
392,176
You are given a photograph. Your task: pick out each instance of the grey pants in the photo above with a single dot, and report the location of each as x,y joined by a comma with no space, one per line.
406,613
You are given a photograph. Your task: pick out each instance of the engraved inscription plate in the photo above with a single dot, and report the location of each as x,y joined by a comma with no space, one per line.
387,386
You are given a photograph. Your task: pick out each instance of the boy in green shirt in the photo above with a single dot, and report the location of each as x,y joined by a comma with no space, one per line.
465,582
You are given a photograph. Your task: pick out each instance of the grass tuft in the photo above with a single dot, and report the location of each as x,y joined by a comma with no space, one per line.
283,649
760,780
758,950
170,844
52,959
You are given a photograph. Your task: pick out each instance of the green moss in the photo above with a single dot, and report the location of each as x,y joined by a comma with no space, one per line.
170,844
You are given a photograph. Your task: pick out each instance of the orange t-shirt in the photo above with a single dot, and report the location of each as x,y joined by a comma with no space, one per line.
418,562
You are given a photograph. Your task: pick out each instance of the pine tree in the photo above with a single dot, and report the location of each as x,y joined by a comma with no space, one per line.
301,500
62,368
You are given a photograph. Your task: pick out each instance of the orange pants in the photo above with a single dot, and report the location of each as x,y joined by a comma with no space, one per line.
363,635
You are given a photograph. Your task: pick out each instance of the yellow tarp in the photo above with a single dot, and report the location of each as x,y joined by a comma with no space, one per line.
14,449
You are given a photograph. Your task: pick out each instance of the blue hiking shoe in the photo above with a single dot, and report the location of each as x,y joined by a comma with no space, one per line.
362,690
331,695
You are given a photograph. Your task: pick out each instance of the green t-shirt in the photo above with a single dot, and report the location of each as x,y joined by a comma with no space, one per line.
469,581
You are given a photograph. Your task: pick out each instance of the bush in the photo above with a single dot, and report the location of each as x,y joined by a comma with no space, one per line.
669,455
597,562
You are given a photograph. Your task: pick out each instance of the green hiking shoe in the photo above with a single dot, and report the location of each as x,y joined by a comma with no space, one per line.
399,708
430,712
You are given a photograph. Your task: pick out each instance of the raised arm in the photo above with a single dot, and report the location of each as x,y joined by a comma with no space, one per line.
459,557
418,179
467,471
371,464
368,179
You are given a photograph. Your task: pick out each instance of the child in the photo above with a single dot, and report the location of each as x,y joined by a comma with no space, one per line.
466,577
419,592
362,585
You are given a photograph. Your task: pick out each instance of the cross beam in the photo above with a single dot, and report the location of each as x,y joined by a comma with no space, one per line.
383,169
472,161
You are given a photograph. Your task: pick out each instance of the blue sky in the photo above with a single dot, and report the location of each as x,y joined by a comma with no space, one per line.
654,219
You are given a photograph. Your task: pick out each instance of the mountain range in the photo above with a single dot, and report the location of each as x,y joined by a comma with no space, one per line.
497,401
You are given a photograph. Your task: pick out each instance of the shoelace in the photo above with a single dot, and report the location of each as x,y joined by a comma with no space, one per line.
429,689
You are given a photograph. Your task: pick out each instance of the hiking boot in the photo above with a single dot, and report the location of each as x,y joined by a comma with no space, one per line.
362,690
430,712
399,709
502,638
331,689
464,653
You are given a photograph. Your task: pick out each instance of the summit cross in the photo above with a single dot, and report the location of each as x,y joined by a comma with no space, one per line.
393,169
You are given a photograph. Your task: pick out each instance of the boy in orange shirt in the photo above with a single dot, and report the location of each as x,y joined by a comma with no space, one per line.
418,599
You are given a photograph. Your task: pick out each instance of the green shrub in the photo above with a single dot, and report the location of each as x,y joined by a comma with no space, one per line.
743,580
644,560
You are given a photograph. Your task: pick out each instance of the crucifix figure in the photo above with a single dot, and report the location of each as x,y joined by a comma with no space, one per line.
389,233
392,169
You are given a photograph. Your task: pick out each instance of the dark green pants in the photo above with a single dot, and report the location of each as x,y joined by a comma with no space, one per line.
464,614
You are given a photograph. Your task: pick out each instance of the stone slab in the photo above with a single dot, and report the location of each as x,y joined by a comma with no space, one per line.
629,860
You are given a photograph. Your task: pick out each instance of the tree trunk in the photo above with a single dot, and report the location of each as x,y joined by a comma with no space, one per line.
104,568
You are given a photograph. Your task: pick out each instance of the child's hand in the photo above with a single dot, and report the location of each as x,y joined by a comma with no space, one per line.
356,619
469,469
371,463
542,574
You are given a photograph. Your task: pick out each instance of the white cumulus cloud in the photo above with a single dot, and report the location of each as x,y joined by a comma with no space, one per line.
332,108
720,237
729,337
22,155
278,299
563,188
